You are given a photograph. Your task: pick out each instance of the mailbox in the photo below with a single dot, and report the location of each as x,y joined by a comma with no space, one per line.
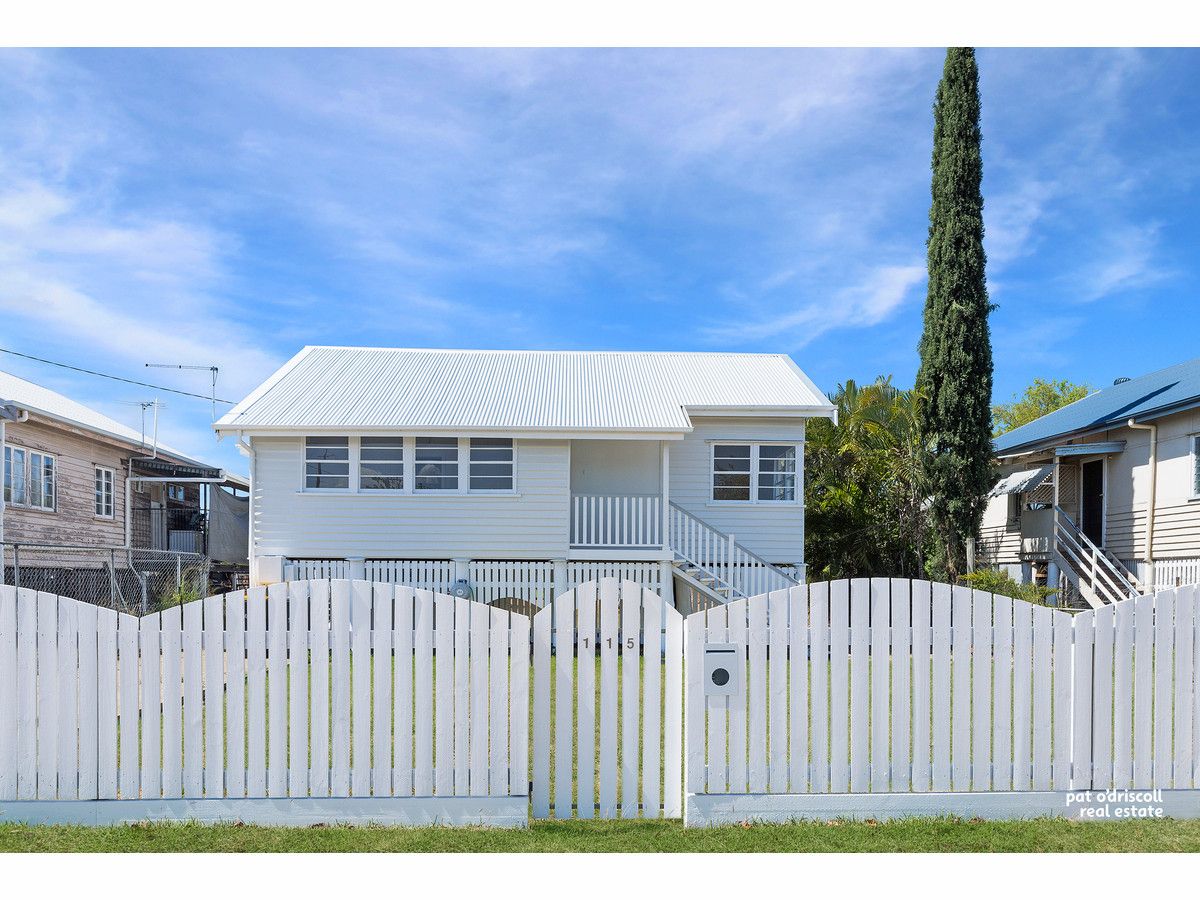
723,668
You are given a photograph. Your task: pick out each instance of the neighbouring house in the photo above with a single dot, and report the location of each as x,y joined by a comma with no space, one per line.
518,474
1102,497
81,491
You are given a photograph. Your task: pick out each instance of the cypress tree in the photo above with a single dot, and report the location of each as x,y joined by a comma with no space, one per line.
955,377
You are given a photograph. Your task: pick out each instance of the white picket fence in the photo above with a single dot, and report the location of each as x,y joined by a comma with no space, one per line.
306,691
892,687
610,746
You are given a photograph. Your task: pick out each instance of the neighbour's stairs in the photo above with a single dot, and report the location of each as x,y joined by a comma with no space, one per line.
715,565
1096,575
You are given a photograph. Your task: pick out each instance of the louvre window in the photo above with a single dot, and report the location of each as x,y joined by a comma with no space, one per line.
491,464
381,464
327,463
436,464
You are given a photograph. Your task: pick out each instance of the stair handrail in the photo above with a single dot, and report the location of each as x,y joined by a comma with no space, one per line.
785,578
1117,583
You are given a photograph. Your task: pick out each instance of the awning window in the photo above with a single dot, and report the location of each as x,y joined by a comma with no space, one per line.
1021,482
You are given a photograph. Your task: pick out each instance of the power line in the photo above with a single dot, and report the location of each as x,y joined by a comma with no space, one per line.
156,387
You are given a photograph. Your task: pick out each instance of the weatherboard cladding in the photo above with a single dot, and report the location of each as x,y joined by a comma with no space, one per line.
1138,398
349,387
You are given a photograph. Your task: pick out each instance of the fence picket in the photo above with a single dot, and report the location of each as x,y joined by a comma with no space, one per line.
695,777
171,623
235,692
298,675
860,685
256,691
718,708
8,693
518,771
610,639
1043,625
1002,663
1102,698
213,695
339,688
498,713
402,691
193,700
798,731
839,687
277,751
901,692
151,702
880,677
479,700
106,707
585,689
1081,700
818,606
564,692
47,699
1022,696
922,611
1164,664
942,697
1143,649
631,665
777,714
736,615
1185,674
88,733
67,679
444,691
462,696
1063,636
423,694
960,688
540,802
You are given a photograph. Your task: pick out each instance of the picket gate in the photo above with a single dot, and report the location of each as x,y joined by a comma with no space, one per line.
610,744
305,701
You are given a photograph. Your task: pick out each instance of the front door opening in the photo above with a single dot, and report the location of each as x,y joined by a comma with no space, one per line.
1091,502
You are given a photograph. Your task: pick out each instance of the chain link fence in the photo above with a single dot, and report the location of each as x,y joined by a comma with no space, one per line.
129,580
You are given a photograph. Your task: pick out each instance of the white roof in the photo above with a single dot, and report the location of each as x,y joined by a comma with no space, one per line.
51,404
364,388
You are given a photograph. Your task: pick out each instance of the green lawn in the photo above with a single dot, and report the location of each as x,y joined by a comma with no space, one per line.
913,835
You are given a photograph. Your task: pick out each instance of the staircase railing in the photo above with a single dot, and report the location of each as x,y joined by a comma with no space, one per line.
731,565
1101,581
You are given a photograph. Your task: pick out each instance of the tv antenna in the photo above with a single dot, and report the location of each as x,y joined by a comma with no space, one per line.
213,370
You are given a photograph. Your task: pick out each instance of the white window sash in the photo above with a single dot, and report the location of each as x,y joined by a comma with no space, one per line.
462,460
756,472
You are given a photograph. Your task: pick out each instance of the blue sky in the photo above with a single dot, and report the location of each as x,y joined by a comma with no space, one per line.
229,207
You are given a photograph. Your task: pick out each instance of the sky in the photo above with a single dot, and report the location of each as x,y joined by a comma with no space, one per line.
229,207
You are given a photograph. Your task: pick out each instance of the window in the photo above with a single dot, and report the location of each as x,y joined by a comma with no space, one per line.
491,464
1015,505
437,464
29,478
1196,465
104,492
731,472
327,463
761,473
381,464
176,492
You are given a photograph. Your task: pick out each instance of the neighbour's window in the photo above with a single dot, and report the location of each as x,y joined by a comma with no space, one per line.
29,478
731,472
327,463
491,464
1014,508
436,464
381,464
1196,465
764,473
104,492
175,492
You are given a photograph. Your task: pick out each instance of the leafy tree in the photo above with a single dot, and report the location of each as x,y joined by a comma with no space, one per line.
1040,398
865,513
955,378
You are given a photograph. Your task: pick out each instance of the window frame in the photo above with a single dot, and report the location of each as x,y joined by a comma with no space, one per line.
27,474
755,472
98,505
511,462
1195,458
408,442
400,442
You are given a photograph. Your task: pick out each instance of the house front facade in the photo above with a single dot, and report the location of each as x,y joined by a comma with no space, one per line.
522,473
1102,497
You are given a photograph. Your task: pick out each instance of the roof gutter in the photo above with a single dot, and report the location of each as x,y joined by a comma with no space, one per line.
1153,429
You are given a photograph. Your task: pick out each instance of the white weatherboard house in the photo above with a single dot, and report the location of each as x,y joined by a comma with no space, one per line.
524,473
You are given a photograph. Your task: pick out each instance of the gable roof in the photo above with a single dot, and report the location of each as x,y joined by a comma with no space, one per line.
44,402
521,390
1146,397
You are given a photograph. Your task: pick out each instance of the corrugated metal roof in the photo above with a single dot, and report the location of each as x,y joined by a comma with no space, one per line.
41,400
359,387
1145,397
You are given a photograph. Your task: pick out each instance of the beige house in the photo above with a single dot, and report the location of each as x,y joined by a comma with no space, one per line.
1102,497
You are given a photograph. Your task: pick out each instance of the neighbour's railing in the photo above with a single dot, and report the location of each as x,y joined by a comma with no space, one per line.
731,565
1101,581
630,520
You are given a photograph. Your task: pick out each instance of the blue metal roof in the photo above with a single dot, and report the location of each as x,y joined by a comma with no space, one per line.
1146,397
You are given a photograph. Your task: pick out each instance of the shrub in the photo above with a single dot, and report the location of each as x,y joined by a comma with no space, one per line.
995,581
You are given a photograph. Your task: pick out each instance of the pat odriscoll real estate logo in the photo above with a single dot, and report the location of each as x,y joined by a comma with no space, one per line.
1116,804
